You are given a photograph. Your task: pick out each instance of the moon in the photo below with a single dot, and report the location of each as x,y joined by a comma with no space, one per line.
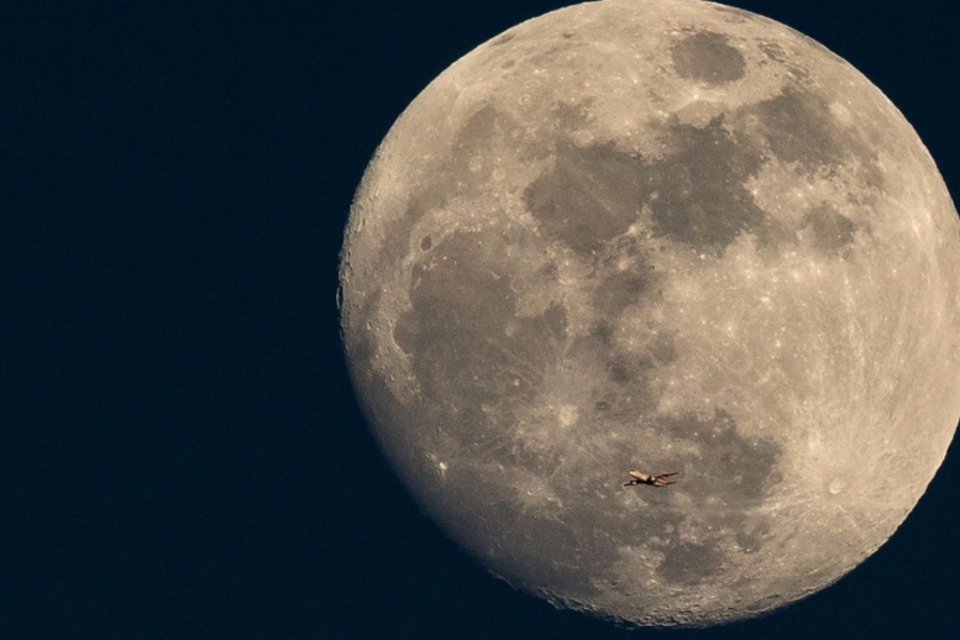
673,236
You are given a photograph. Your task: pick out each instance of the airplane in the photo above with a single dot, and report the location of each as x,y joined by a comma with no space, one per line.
659,480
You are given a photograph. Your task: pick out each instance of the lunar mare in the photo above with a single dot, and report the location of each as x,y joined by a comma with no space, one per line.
668,235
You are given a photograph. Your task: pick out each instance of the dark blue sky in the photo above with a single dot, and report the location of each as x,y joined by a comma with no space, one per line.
180,452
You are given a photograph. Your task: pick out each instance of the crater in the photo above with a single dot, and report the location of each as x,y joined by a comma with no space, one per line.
707,57
571,116
773,50
751,539
663,349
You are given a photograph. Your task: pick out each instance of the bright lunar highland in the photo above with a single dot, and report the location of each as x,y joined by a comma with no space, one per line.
666,235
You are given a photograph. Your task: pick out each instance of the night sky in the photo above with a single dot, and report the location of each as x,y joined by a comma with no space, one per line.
181,454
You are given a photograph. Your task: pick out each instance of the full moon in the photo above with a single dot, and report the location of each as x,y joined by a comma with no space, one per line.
661,235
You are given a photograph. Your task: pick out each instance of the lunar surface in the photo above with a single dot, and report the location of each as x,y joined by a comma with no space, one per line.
665,235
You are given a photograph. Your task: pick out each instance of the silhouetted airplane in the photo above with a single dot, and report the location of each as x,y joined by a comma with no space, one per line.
659,480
